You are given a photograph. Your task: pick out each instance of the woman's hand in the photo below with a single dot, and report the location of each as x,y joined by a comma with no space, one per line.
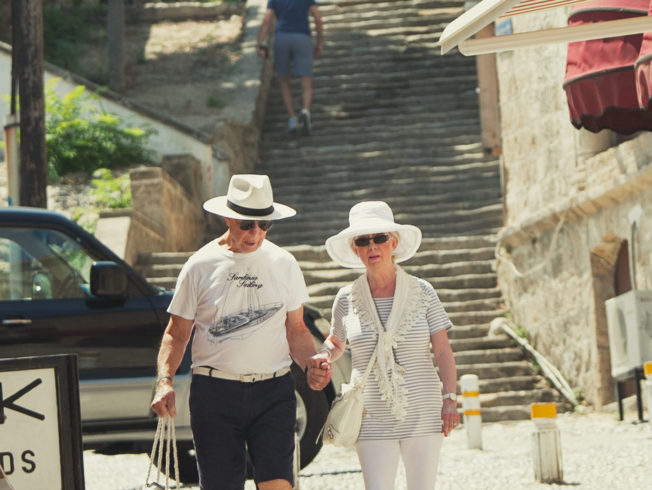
450,416
318,372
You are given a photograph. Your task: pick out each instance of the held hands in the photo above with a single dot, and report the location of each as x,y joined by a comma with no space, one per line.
318,371
163,403
450,416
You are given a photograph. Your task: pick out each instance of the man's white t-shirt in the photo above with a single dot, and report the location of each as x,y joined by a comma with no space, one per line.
239,303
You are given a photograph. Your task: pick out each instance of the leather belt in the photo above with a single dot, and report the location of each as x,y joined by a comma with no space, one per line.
243,378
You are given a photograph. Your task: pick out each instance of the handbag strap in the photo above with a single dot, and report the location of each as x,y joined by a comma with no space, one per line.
164,439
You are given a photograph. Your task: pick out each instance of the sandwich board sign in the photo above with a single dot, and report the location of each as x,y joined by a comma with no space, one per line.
40,423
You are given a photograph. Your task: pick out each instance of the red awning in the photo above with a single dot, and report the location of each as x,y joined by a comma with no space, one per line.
643,70
600,80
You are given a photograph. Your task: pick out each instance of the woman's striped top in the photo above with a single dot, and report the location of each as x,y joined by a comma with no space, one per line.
413,353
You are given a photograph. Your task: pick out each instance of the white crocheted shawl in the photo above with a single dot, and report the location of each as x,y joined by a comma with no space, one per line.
409,299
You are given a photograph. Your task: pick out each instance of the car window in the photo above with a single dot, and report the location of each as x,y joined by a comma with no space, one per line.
42,264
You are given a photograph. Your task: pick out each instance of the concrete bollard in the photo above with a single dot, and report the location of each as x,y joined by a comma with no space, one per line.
472,412
647,369
546,444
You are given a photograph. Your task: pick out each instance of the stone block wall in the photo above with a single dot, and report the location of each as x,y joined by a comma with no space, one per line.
566,215
538,139
166,217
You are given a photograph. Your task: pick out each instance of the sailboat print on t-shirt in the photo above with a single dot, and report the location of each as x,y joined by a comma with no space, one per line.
247,314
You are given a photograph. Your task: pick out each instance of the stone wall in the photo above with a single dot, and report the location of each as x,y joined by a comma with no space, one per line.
566,215
166,213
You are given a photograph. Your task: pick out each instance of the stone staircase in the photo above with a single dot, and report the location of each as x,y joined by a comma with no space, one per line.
396,121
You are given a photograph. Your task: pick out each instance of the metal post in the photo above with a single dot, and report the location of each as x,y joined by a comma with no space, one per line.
546,444
472,412
647,368
13,157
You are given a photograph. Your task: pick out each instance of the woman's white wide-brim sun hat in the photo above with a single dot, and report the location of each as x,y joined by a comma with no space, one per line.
249,197
366,218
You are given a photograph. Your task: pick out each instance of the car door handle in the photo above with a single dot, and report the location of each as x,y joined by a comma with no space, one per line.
13,322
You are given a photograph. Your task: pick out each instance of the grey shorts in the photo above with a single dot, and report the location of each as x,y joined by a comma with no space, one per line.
293,48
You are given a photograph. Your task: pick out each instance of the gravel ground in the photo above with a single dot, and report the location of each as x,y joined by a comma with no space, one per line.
598,452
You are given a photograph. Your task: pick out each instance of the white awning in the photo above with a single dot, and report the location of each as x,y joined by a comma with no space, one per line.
458,32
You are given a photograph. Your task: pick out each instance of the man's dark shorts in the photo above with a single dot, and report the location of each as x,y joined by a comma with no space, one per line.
293,48
224,415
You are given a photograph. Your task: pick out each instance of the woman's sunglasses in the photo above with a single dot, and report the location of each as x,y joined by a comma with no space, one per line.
246,225
364,241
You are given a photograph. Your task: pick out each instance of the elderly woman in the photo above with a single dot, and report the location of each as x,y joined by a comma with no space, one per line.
407,408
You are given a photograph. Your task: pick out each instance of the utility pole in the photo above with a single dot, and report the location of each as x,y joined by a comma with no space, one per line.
116,35
27,51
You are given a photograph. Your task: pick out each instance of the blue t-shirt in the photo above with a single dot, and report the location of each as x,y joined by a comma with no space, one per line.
292,15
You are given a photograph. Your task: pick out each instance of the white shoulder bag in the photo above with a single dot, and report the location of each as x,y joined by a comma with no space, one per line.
344,419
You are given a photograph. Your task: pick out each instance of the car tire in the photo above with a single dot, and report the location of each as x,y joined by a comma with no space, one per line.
316,410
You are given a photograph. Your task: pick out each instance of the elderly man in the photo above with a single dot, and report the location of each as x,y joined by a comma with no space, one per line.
244,298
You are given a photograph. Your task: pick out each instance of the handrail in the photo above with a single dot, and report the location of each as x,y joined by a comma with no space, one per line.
550,371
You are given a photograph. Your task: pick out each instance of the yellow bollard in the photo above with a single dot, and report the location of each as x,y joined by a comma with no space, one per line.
546,443
647,369
472,412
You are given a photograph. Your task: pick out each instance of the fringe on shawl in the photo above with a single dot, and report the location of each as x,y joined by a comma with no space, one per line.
391,379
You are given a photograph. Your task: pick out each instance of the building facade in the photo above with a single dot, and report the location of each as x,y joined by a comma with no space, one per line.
578,214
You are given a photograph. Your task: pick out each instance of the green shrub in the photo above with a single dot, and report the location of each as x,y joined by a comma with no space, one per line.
82,137
109,191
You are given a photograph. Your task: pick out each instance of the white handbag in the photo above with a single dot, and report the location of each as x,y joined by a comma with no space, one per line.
344,419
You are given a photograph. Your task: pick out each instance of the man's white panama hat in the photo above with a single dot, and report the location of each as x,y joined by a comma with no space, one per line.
366,218
249,197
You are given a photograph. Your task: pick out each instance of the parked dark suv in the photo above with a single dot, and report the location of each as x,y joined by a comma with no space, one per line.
63,291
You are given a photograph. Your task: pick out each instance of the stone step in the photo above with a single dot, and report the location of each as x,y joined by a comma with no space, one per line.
324,303
323,225
359,164
451,269
477,343
520,397
484,356
164,282
510,383
495,369
340,174
467,227
408,146
321,262
354,133
348,84
164,258
468,281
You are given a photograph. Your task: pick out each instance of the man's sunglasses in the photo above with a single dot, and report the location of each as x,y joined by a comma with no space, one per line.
364,241
246,225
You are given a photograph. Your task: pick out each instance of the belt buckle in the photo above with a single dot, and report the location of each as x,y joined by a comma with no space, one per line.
248,378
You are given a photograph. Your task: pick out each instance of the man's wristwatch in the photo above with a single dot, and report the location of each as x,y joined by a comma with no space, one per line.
452,396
